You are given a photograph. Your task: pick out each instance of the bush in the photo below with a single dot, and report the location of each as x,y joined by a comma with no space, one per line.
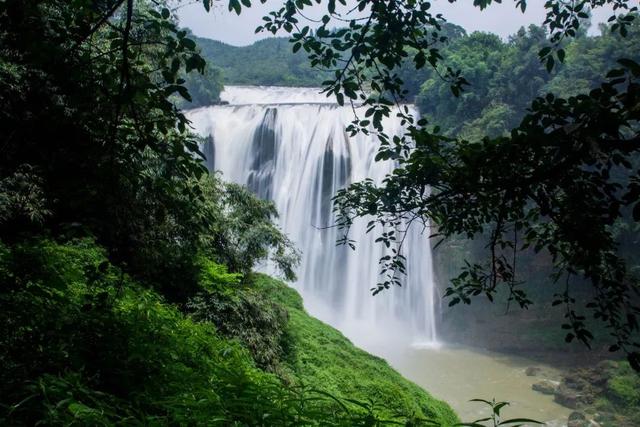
240,311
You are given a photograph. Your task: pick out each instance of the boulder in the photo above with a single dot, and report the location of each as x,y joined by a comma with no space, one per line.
545,387
577,379
566,396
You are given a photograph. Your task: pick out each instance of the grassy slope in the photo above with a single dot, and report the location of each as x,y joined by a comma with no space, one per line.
82,344
323,357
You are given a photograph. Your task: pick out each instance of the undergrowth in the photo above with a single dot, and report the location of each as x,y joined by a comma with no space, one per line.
84,344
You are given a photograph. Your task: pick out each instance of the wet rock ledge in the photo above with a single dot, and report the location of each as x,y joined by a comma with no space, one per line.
607,395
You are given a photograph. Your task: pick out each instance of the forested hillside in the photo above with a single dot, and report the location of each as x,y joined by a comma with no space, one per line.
505,75
266,62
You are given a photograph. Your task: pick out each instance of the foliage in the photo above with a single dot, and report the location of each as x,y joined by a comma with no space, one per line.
204,89
496,419
570,175
87,112
243,312
22,198
82,343
241,230
271,63
505,76
623,387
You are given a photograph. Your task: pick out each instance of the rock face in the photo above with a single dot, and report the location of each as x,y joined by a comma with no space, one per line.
545,387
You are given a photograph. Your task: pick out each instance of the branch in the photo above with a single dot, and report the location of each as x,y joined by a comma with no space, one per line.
100,23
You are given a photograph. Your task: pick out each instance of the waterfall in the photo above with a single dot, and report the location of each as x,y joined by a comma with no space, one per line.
289,145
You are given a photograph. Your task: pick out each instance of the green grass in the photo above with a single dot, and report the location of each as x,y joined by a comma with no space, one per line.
323,357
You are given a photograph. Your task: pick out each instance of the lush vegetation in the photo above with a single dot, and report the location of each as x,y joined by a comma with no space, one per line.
127,290
322,355
128,294
504,76
622,392
83,343
268,62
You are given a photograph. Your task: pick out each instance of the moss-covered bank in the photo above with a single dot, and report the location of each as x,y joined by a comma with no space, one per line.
322,357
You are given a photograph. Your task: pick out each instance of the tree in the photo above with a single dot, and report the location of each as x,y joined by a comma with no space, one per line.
95,144
572,173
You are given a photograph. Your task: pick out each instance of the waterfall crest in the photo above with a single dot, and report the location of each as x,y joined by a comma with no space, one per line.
289,145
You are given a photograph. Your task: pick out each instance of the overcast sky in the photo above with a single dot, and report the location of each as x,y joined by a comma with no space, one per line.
502,19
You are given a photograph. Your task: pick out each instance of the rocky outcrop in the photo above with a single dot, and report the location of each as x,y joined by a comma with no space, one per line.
567,396
588,391
545,387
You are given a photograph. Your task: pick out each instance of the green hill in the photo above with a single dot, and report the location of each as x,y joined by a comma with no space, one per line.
266,62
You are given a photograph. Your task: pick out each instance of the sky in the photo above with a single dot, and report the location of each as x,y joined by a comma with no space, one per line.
502,19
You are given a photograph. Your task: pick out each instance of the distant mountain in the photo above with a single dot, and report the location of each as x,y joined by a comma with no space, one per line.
266,62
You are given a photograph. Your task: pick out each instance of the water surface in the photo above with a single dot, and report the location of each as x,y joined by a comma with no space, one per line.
457,375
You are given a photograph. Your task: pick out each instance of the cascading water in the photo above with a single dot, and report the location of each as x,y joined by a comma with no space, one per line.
289,145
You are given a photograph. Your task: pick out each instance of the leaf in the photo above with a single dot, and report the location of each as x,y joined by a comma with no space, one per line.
482,401
632,65
234,5
550,63
544,52
499,406
561,54
520,420
189,44
184,93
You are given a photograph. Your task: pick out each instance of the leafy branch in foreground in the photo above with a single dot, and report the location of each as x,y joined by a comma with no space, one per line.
574,177
559,183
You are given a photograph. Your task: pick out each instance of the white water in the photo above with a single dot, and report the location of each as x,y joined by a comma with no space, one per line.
289,145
